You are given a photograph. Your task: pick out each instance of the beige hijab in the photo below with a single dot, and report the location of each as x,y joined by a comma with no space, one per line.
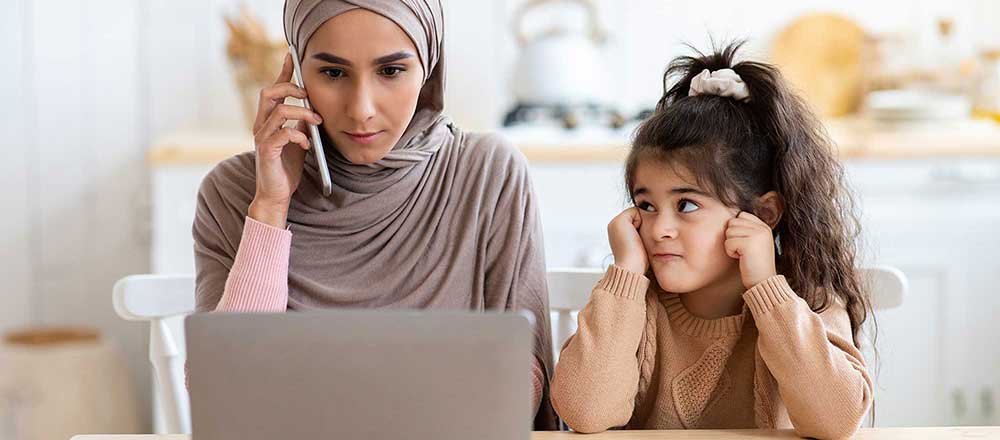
447,220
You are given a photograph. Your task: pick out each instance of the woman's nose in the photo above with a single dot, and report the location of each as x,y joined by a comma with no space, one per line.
361,105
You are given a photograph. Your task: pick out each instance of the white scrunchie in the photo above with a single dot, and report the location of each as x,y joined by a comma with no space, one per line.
724,82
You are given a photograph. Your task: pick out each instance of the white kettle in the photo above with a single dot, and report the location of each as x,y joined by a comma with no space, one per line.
559,66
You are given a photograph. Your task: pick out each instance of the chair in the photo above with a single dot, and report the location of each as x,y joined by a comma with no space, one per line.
163,301
569,291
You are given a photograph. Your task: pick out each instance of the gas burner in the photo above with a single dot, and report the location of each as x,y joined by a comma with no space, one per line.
568,117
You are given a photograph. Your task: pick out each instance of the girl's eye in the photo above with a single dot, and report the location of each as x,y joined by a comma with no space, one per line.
391,71
333,73
645,206
686,206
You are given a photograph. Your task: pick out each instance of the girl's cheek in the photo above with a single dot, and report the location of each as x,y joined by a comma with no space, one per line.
643,235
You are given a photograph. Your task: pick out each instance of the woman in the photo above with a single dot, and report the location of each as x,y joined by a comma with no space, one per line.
422,214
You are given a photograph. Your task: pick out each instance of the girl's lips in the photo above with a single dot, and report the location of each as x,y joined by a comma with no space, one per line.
667,257
363,138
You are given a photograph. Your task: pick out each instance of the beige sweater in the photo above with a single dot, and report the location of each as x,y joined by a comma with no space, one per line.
639,360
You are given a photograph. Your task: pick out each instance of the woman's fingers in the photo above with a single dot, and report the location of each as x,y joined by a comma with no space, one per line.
303,129
283,137
276,93
271,97
286,70
284,113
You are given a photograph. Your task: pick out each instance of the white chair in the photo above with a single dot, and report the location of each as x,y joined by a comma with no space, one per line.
888,286
569,291
163,301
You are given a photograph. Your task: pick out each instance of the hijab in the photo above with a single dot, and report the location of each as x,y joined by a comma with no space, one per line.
446,220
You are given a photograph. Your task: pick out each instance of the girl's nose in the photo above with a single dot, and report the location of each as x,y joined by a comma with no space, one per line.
664,228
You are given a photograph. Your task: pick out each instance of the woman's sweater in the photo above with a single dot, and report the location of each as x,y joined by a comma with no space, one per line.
258,281
639,360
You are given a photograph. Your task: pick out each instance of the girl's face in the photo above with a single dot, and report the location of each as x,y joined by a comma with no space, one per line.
363,77
683,229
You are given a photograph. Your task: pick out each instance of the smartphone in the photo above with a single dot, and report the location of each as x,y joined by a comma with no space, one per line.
317,143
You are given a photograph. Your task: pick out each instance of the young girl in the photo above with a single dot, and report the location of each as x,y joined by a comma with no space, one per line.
733,301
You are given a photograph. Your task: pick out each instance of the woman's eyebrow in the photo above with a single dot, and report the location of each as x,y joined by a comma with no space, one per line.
333,59
401,55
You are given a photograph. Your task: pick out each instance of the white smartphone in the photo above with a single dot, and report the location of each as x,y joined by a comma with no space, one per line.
317,143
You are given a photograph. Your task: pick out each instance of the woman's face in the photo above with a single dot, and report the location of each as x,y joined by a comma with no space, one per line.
683,229
363,76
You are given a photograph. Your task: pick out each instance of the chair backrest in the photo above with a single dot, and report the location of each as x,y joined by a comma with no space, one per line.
569,291
887,286
163,301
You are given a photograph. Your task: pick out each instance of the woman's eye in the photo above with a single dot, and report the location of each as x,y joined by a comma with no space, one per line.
645,206
391,71
687,206
333,73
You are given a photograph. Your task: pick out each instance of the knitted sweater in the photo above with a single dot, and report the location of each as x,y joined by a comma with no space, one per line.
639,360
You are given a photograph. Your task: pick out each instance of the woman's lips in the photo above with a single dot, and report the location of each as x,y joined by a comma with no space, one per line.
363,138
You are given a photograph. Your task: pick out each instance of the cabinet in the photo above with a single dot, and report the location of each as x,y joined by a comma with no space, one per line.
937,221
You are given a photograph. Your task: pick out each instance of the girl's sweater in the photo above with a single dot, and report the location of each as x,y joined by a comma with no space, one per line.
640,360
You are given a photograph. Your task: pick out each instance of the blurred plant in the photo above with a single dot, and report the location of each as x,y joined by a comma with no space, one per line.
256,58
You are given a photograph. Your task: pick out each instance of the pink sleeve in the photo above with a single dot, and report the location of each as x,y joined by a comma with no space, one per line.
258,280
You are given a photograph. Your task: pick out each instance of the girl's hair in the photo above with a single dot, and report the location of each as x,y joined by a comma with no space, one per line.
739,150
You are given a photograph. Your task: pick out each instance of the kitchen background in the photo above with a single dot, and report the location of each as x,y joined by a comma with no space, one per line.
114,109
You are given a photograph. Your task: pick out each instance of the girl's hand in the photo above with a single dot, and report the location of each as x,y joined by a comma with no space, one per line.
749,240
626,245
281,150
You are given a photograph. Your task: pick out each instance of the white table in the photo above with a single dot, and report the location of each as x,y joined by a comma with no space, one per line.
932,433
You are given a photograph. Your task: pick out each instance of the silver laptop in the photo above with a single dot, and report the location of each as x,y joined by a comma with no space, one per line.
360,375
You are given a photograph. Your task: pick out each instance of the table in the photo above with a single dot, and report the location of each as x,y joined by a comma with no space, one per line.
932,433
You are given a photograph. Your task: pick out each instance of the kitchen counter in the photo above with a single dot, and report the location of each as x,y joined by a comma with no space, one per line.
855,138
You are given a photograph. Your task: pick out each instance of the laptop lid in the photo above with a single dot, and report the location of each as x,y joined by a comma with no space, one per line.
359,374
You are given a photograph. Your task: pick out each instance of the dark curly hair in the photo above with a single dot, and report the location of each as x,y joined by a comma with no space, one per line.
740,150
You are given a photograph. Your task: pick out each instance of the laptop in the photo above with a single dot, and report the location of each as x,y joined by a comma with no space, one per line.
352,374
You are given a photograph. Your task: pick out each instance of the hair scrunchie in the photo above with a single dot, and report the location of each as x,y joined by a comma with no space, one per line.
724,82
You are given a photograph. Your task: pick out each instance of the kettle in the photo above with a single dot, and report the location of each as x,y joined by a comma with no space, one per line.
559,66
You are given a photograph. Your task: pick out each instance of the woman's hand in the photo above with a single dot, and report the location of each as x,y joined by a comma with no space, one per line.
626,245
281,150
749,240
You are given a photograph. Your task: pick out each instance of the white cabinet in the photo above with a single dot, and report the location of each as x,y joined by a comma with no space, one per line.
938,221
175,191
577,201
